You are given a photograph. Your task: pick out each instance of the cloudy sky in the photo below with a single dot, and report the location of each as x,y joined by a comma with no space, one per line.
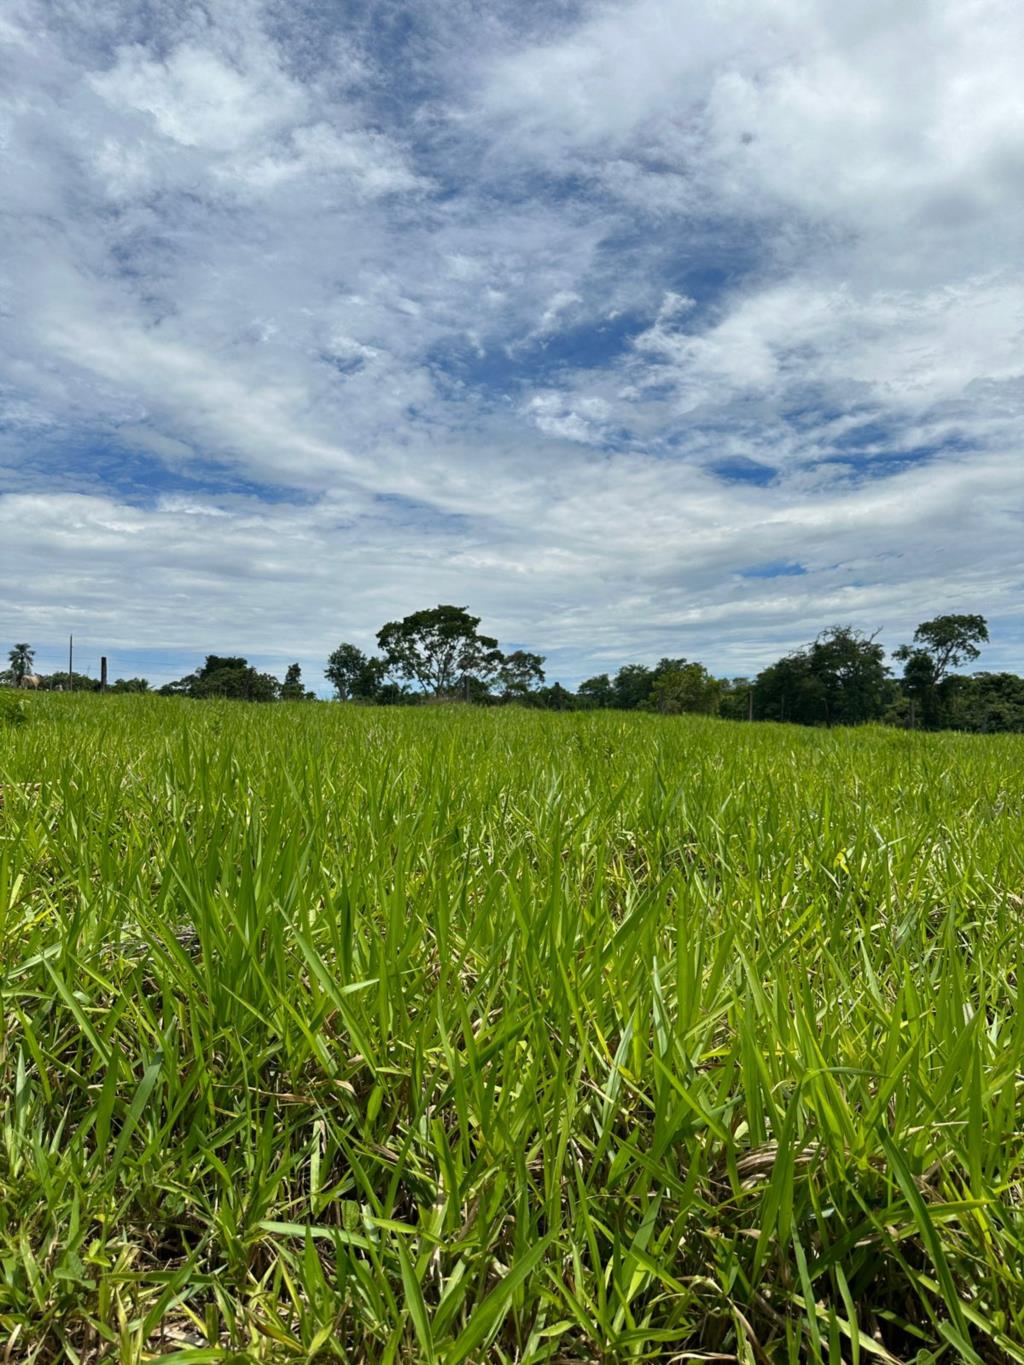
676,326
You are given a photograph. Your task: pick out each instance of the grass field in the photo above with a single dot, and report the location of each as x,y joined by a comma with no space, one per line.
454,1035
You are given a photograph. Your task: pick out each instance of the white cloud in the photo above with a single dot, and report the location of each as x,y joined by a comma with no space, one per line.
478,319
198,99
578,420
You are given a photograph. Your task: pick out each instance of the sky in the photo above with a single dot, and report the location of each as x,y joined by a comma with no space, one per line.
640,329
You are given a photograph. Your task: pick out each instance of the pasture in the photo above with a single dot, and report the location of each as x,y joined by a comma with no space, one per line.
458,1035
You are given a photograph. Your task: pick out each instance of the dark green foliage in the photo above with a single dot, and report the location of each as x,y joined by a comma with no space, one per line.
231,678
986,703
129,685
553,698
632,686
840,679
597,692
948,641
788,690
736,698
939,645
292,689
686,688
438,649
353,676
78,682
519,673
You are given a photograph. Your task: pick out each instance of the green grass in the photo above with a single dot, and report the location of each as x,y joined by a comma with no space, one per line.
451,1035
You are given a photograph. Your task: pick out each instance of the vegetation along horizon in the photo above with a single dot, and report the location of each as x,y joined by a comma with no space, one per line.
461,1033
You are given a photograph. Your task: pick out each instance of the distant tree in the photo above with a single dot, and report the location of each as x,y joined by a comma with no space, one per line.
292,688
129,685
387,692
79,682
519,673
668,666
597,691
228,676
218,663
850,668
179,687
736,698
553,698
840,679
345,665
632,686
21,657
948,641
439,648
787,690
987,703
689,688
237,684
940,644
354,676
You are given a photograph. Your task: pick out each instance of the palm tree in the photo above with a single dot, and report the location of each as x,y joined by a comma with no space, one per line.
21,657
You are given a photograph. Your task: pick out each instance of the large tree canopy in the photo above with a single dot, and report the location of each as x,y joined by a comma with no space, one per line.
948,641
840,679
226,676
438,649
939,645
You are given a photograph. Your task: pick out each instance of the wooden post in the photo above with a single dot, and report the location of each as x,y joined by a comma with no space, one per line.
71,655
103,672
750,703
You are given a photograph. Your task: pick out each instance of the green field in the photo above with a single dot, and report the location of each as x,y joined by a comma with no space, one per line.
451,1035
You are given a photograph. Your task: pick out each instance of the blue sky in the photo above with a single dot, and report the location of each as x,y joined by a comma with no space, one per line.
641,329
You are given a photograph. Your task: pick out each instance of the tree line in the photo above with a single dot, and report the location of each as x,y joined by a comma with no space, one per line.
439,654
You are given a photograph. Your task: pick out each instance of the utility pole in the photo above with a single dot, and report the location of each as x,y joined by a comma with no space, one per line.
71,655
103,672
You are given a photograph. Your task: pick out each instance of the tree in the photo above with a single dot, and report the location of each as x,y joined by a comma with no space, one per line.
354,676
227,676
788,690
689,688
236,684
840,679
439,649
21,657
553,698
344,666
939,645
984,702
632,686
130,685
948,641
292,688
736,698
520,672
78,682
597,691
850,668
